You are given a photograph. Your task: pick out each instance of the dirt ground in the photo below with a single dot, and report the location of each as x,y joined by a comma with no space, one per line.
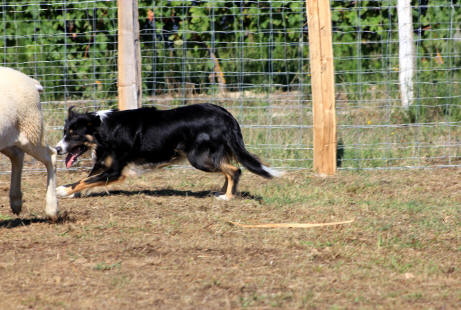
162,241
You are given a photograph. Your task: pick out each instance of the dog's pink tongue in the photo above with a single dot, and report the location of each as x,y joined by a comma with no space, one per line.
70,159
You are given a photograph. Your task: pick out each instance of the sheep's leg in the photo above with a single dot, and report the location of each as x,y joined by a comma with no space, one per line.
16,156
47,156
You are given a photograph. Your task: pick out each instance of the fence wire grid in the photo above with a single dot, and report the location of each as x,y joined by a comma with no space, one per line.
252,57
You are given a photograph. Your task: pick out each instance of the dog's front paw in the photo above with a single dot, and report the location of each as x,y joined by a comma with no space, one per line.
223,197
64,192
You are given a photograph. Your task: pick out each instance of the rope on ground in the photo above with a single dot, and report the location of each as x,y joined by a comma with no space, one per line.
289,225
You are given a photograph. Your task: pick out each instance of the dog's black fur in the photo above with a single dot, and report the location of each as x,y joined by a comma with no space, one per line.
206,134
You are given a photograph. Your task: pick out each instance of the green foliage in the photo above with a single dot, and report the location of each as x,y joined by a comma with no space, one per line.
72,45
258,43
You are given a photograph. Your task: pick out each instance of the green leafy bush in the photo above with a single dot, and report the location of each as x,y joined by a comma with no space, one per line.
72,47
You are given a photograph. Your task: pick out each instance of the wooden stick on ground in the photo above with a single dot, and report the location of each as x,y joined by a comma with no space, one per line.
290,225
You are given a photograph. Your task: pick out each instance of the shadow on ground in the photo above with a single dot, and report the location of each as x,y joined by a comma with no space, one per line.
19,222
166,193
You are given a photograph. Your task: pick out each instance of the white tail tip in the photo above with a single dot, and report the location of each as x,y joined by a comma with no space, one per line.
273,172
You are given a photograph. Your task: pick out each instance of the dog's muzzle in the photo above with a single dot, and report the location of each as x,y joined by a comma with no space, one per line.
61,147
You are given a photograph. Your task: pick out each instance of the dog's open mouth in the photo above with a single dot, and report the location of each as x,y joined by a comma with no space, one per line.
74,154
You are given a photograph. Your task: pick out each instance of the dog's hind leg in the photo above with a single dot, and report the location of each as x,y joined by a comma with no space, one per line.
214,160
16,157
202,159
232,175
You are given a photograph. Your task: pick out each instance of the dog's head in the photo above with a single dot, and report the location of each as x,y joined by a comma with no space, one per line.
79,130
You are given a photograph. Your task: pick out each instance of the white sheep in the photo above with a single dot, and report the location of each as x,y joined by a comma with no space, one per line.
21,130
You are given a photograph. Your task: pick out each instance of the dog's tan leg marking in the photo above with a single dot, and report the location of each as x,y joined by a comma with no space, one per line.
69,189
230,172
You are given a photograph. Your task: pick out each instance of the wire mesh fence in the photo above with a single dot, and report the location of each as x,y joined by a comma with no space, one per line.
252,57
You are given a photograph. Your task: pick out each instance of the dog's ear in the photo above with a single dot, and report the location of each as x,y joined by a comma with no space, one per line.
70,111
93,120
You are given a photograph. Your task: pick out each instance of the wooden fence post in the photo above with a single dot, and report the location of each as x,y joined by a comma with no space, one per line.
323,85
129,60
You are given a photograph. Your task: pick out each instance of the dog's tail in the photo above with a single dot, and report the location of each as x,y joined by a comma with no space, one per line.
247,159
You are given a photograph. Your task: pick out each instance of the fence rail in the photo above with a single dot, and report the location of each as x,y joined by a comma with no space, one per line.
252,57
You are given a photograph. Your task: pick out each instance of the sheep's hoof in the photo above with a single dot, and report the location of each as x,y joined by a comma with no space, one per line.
53,218
52,213
62,192
16,205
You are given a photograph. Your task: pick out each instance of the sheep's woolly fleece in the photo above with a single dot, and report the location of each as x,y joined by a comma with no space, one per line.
17,92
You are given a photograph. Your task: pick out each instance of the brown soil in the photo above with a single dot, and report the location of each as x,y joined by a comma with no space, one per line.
161,241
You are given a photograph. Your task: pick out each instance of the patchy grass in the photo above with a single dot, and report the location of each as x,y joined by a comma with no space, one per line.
161,241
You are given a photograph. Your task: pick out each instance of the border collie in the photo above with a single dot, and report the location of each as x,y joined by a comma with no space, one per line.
206,134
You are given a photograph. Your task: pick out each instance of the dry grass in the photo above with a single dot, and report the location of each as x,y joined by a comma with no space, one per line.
159,241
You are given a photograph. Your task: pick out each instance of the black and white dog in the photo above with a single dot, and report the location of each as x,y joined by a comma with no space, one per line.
206,134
